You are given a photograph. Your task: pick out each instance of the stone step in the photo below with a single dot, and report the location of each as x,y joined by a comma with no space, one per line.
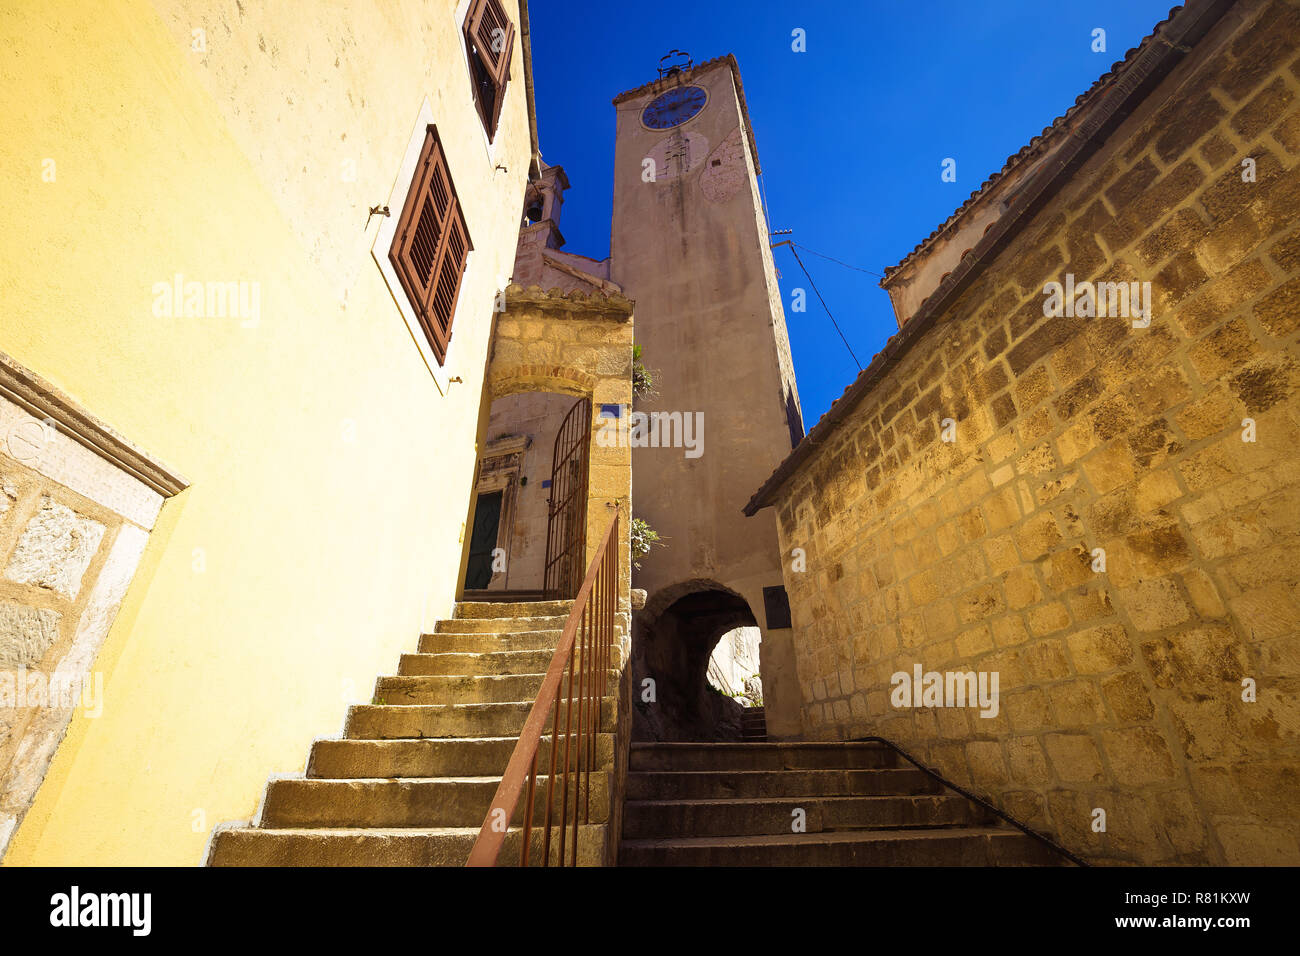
433,757
478,665
460,689
983,846
645,819
389,722
437,846
761,756
499,625
500,609
410,802
457,689
487,643
780,784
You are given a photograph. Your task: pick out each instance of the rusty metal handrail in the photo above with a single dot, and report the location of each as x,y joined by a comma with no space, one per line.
589,630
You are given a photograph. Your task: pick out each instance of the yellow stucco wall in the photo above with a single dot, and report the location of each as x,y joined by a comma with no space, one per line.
330,475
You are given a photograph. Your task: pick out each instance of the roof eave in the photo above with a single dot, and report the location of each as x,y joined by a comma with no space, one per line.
1137,80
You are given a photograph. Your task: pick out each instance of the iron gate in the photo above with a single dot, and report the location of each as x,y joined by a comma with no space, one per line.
566,523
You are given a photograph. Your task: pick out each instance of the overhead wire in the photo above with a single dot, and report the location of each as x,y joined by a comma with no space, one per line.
837,261
825,306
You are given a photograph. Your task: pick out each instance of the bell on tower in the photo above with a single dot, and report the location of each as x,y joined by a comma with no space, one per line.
538,258
533,205
543,201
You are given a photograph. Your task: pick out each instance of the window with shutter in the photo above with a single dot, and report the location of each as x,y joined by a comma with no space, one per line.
431,245
490,39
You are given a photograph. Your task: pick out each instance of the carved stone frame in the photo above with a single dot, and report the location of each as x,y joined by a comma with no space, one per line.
499,469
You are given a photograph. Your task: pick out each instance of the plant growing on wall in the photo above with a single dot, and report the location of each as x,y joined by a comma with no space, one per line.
643,381
644,538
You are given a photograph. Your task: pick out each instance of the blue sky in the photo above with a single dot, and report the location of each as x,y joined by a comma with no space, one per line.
850,133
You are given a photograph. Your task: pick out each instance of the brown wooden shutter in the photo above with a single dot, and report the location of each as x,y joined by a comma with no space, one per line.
451,266
485,19
431,245
492,35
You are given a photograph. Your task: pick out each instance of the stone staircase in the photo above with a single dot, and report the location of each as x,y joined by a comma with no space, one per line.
753,725
732,804
413,777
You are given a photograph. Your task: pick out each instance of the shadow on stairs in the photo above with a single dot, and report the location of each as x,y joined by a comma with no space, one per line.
806,804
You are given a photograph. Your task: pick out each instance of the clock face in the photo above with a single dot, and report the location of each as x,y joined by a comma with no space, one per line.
674,107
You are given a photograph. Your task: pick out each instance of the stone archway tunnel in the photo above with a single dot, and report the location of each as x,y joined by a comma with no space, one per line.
672,649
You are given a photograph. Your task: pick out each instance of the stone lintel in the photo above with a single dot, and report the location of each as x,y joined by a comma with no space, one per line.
42,400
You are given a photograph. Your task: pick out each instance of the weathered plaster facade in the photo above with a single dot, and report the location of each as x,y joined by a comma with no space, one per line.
332,471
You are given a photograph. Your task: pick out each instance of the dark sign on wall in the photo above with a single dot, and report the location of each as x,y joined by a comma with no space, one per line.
776,607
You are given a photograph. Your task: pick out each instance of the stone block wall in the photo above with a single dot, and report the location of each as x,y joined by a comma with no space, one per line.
53,544
1171,448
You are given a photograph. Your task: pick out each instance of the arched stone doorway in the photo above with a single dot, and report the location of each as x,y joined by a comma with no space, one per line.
527,526
571,344
672,640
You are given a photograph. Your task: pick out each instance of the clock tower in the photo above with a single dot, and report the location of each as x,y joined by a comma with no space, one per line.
690,246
